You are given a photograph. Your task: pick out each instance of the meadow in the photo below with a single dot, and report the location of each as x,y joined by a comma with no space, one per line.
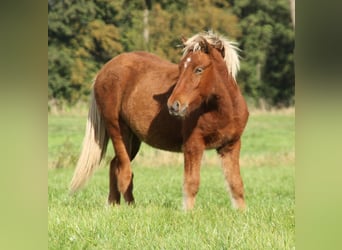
157,221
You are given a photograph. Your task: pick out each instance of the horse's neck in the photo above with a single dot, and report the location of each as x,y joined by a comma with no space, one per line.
226,90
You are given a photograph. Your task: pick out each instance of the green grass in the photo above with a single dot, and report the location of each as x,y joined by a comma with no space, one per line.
157,221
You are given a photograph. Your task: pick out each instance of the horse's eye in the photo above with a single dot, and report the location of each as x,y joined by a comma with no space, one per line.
198,70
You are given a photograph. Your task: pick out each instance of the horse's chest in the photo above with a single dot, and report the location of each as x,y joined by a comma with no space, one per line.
214,139
217,133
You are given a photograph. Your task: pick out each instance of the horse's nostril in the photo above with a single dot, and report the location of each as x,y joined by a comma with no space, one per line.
177,109
175,106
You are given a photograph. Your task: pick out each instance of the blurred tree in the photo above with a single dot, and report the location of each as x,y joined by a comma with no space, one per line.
80,41
267,42
83,35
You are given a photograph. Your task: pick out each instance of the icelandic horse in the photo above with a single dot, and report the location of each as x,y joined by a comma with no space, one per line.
189,107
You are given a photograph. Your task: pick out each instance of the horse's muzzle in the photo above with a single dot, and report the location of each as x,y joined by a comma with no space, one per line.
176,109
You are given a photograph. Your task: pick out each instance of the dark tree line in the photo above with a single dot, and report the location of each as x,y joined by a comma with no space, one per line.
83,35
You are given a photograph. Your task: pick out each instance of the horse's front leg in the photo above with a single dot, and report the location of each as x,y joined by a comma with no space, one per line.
231,169
193,153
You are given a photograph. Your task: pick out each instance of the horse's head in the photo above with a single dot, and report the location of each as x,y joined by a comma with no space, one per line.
197,76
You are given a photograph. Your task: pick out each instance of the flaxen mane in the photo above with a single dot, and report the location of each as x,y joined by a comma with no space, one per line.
231,56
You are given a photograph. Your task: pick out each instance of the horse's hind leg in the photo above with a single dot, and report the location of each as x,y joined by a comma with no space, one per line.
231,170
108,93
114,194
120,173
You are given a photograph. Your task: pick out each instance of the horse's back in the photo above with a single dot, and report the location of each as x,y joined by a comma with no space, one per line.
138,60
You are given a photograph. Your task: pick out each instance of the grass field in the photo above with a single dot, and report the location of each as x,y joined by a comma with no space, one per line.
84,221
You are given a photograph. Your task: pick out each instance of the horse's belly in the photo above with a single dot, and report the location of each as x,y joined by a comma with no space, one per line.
150,120
157,131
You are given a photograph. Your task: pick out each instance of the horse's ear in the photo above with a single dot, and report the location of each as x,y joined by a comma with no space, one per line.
183,39
205,46
220,47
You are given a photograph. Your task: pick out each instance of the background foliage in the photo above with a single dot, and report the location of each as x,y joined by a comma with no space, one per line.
83,35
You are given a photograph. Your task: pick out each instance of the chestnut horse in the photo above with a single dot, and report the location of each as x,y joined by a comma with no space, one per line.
189,107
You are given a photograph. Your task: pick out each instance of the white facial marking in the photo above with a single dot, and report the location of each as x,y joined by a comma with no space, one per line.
187,62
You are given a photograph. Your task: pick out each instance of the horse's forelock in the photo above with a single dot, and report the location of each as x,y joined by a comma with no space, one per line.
230,49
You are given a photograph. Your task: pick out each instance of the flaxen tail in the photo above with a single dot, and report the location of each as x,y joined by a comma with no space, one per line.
94,147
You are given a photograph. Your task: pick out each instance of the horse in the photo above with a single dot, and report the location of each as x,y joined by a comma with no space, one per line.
190,107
